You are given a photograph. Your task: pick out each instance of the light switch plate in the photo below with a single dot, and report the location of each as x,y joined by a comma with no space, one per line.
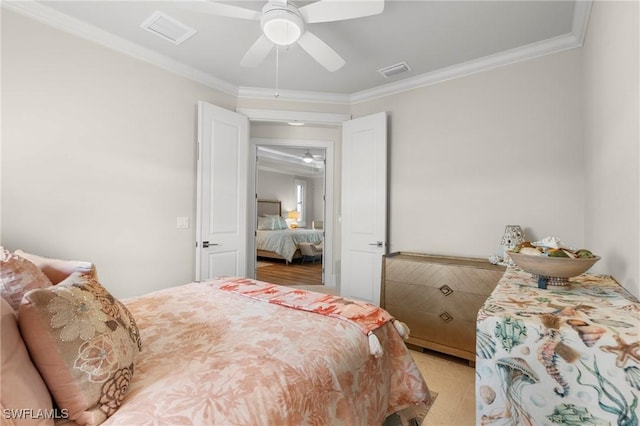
182,222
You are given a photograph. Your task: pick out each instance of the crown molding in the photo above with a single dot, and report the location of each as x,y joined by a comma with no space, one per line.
280,116
293,95
575,38
76,27
581,14
507,57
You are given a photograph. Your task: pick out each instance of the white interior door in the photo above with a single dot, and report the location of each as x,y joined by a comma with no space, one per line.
364,206
221,223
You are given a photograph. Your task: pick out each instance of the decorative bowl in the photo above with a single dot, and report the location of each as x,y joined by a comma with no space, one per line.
557,270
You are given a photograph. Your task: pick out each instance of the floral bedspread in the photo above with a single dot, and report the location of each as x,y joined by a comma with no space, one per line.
213,357
364,315
566,355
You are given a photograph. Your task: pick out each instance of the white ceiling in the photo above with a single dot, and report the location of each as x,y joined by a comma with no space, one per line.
289,160
437,39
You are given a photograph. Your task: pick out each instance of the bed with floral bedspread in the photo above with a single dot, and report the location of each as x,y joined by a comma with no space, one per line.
217,357
229,351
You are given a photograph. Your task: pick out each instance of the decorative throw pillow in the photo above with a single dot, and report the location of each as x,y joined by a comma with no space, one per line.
17,276
269,223
57,269
83,341
22,386
6,421
272,222
265,223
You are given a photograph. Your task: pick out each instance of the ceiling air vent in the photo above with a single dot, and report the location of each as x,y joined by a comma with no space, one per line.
394,69
168,28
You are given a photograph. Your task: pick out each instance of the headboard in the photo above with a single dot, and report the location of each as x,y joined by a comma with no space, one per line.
269,207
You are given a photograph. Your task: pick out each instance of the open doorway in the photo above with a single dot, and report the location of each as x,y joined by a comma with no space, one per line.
290,214
299,195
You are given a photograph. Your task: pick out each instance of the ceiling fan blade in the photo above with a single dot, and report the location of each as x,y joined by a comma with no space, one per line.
339,10
220,9
257,52
321,52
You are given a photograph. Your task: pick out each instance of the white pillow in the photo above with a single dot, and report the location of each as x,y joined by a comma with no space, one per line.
271,222
265,223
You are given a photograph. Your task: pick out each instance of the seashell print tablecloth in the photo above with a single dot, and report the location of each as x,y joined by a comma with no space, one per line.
565,355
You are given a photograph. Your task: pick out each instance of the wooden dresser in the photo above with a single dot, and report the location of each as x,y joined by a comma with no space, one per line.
438,297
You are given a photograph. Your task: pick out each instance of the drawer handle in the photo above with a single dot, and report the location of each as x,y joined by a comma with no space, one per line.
446,290
445,316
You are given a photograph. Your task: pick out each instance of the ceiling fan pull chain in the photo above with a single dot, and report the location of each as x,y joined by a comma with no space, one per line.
277,70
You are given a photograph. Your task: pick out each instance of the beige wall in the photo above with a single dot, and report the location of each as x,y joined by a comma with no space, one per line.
98,157
471,155
98,154
550,144
611,74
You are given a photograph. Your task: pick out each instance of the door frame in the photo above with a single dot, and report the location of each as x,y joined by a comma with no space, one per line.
329,146
283,116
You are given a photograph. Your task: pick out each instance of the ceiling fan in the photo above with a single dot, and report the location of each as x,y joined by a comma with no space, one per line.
308,157
283,24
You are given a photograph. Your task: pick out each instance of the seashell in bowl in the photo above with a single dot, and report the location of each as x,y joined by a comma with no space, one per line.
551,242
557,269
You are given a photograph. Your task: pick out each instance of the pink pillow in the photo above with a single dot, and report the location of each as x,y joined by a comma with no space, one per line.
22,386
83,341
56,269
17,276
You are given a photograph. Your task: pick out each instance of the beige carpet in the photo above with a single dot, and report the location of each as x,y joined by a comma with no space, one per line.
396,420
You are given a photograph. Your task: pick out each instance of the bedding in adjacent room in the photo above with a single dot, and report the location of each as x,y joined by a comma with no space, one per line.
285,242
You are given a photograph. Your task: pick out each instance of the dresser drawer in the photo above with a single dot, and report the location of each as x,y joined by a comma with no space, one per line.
469,279
444,327
404,300
438,298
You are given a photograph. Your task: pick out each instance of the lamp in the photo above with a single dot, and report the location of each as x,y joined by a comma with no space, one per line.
513,235
307,157
283,26
292,219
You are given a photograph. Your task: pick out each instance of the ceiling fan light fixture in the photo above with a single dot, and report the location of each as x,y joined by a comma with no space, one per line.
282,26
307,157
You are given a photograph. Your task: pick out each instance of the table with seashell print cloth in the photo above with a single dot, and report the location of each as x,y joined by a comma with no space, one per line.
565,355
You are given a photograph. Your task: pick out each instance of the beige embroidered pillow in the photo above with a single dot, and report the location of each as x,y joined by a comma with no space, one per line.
83,341
17,276
22,387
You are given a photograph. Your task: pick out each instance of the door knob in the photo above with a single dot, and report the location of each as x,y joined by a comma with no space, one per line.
206,244
377,244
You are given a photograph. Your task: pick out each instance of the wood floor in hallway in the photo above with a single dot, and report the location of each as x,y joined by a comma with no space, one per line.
277,272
